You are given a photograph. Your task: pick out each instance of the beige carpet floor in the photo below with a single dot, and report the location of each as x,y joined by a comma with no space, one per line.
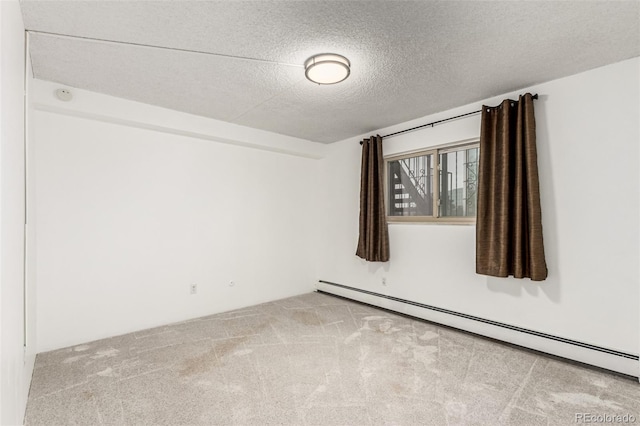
316,360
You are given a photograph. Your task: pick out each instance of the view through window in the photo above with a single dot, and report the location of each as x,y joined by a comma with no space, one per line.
436,185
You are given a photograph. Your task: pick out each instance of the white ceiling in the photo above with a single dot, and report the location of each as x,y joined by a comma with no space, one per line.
409,58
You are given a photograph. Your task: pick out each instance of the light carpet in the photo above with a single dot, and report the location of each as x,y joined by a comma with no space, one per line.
316,359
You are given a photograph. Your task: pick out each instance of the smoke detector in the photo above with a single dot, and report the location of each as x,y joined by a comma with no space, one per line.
64,95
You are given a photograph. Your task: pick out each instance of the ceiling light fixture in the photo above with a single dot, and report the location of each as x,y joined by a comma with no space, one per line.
327,68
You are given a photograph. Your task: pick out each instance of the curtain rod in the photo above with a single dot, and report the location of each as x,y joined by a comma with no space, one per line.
437,122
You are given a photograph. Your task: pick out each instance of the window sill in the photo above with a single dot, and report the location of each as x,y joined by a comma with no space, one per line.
422,220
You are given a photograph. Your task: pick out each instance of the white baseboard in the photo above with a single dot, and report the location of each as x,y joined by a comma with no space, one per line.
609,359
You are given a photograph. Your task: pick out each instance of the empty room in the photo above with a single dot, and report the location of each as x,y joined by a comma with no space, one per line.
319,212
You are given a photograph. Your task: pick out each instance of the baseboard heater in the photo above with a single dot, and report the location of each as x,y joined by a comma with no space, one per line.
610,359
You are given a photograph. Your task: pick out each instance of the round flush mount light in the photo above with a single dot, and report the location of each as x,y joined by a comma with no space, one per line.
327,68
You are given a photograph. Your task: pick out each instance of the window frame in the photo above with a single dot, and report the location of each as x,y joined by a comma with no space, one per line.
435,151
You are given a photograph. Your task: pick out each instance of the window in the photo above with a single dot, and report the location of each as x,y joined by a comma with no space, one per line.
436,185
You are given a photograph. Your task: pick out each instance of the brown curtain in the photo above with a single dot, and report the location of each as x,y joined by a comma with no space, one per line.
373,243
509,225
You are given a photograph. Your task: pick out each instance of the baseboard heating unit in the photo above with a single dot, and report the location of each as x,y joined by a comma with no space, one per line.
610,359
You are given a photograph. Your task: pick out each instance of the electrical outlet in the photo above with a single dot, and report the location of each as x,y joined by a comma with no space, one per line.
384,280
193,289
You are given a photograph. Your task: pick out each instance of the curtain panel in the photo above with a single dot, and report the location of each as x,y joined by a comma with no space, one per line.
509,224
373,241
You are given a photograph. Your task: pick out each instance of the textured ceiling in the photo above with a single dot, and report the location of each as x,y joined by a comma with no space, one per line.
409,58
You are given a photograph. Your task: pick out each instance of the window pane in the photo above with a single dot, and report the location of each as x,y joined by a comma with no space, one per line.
458,183
410,186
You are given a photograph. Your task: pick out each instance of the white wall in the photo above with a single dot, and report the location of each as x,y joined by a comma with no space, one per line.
16,362
588,133
134,203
